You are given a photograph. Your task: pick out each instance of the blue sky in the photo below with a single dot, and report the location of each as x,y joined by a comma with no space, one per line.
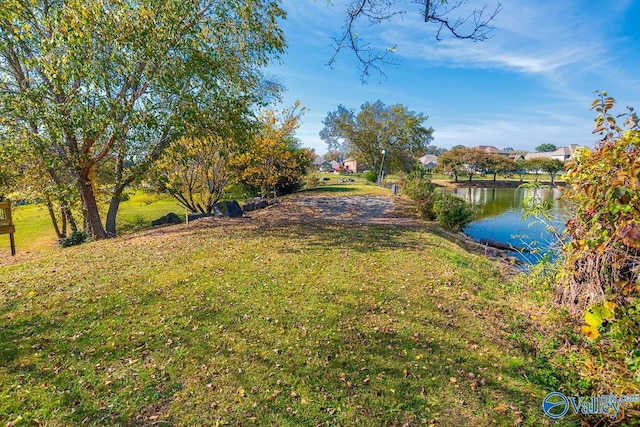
532,83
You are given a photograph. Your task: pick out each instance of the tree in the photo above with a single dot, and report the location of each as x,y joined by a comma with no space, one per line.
496,164
522,168
273,158
333,155
464,160
435,151
474,25
451,162
536,166
100,88
377,127
546,148
552,167
195,172
475,161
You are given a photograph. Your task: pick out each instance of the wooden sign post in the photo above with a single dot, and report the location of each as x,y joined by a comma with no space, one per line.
6,225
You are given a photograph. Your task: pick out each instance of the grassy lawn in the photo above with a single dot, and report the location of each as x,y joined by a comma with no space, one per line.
250,322
34,232
352,189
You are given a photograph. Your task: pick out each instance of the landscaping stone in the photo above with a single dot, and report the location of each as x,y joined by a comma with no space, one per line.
255,204
170,218
193,217
233,209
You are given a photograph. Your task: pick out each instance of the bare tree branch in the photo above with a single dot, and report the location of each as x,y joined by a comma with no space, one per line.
476,25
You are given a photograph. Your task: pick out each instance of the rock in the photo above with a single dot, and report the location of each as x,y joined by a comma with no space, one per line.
229,209
254,204
233,209
170,218
193,217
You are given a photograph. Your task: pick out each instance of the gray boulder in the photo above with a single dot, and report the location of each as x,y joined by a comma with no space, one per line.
170,218
255,204
193,217
233,209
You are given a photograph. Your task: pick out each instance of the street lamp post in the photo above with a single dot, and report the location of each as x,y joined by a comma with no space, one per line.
381,174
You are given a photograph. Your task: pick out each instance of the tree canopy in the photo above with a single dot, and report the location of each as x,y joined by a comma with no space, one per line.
546,148
273,159
95,90
376,127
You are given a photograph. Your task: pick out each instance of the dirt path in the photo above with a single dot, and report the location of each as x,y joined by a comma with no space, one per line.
343,209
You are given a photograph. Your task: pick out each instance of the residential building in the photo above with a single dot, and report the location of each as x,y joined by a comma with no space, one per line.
429,161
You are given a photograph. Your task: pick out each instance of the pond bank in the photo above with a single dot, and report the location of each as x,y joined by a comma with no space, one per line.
491,184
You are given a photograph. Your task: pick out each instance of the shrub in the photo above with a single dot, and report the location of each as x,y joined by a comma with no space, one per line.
422,192
76,238
370,176
451,211
601,280
312,182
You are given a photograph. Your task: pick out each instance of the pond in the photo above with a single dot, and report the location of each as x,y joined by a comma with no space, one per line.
499,219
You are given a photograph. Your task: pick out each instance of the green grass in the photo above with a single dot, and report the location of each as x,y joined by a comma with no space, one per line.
34,231
357,189
246,322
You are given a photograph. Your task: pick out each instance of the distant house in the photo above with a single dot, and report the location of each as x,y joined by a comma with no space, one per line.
530,156
353,166
490,149
562,153
317,162
429,161
325,167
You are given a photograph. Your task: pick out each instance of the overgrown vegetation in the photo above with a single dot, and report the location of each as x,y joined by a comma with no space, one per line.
76,238
370,175
450,211
601,280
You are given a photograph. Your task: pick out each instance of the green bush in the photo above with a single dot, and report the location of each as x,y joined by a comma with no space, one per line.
422,192
76,238
313,182
370,176
451,211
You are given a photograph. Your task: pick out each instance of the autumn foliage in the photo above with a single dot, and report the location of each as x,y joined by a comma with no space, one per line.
601,279
272,160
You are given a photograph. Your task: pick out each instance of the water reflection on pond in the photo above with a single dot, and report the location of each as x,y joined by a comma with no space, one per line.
499,218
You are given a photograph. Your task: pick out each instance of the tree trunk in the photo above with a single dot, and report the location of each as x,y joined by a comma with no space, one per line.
54,220
93,224
63,222
494,177
70,219
114,205
112,213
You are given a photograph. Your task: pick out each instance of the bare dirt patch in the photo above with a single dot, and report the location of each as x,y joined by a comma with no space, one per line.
376,210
